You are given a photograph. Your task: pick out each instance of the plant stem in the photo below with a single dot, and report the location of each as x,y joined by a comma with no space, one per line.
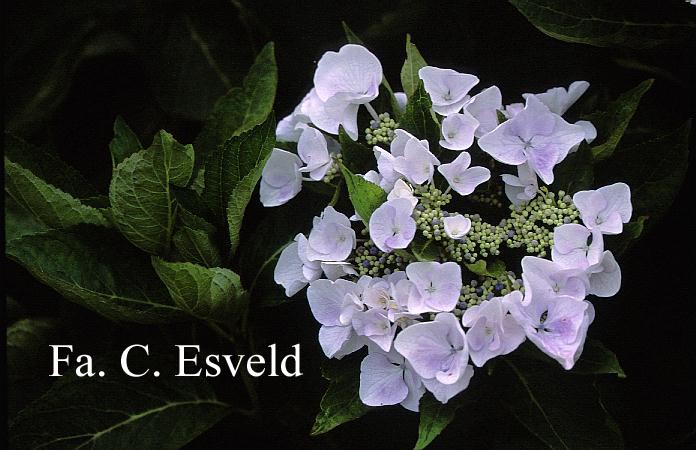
337,193
372,111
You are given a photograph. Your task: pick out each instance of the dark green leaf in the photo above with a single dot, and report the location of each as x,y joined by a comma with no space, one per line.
424,250
418,118
207,293
228,164
562,412
654,169
601,24
351,37
118,412
26,341
357,157
48,167
124,143
612,123
341,402
50,205
480,267
365,196
500,116
596,359
632,230
409,72
243,108
194,240
575,172
141,195
19,221
96,268
434,417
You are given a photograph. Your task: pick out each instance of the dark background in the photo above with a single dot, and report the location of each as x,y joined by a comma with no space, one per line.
94,60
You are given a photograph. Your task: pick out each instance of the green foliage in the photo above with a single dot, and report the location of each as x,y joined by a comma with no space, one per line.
565,413
365,196
596,359
141,195
434,418
47,166
599,23
26,338
418,118
97,269
654,169
118,412
612,123
194,240
124,143
229,164
206,293
243,108
409,71
341,402
49,205
357,157
575,172
480,267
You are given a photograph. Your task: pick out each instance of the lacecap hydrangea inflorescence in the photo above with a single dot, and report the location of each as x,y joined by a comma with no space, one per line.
428,283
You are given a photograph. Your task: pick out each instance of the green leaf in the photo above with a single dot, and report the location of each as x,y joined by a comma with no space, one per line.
194,240
612,123
142,201
619,243
365,196
50,205
232,173
228,164
124,143
206,293
351,37
409,72
434,417
654,169
480,267
243,108
599,23
118,412
424,250
47,166
575,172
27,340
562,412
596,359
96,268
418,118
357,157
341,402
19,221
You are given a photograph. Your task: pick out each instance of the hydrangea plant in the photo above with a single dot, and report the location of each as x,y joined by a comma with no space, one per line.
467,233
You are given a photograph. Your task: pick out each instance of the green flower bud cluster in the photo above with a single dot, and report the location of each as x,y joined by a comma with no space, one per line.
482,240
489,198
531,224
429,213
381,131
485,288
334,170
369,260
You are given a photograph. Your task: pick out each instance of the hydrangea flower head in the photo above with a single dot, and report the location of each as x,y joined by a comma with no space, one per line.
416,164
351,75
458,131
314,152
386,378
484,107
560,99
456,226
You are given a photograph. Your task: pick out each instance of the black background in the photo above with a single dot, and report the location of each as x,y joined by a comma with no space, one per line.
650,325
